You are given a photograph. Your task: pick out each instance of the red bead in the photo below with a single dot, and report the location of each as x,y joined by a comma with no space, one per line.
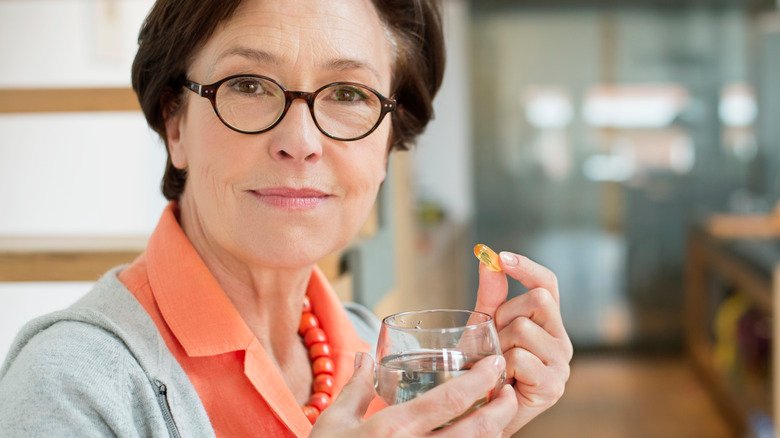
323,383
308,321
319,400
311,413
314,336
323,365
319,349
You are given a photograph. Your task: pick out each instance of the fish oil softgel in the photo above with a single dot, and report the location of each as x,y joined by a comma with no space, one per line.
487,256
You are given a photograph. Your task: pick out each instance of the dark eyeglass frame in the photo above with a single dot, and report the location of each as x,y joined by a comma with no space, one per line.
209,91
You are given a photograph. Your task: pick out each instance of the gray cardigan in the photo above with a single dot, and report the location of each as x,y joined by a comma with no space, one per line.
100,368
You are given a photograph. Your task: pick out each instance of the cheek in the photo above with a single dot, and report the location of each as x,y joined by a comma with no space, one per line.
365,195
370,166
365,176
212,180
212,165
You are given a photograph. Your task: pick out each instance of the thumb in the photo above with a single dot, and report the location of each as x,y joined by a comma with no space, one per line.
357,394
492,292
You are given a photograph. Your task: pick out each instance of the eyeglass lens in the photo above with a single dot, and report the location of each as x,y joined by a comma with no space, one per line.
253,104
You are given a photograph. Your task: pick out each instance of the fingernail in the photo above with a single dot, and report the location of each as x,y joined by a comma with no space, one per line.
498,362
359,359
509,259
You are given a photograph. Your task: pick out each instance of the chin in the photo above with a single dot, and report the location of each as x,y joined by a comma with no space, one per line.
274,243
287,252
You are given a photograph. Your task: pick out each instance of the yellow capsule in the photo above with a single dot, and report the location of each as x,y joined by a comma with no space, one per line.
487,256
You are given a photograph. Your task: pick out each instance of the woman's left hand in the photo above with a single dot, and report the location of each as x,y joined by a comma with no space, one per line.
531,332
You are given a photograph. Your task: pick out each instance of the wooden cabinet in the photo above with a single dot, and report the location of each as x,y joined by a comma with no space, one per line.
733,338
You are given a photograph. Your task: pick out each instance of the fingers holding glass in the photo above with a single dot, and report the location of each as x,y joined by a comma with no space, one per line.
446,403
418,351
489,421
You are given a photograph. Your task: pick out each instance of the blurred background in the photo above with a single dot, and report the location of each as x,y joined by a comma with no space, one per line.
631,146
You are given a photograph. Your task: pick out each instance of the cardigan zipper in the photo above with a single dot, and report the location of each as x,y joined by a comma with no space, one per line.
162,399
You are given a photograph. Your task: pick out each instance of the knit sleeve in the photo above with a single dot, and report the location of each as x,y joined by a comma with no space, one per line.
364,321
75,379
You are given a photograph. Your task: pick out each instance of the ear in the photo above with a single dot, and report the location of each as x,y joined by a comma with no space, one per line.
173,134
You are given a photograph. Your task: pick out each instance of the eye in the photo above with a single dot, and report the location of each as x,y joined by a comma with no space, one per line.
348,94
250,86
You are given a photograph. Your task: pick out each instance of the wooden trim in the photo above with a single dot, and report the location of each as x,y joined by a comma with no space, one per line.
696,293
706,257
722,395
330,265
745,226
86,258
751,283
371,225
43,100
64,258
60,266
775,366
66,244
90,265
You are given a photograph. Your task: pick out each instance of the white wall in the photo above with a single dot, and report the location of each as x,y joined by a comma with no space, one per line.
442,158
22,302
79,174
76,173
69,42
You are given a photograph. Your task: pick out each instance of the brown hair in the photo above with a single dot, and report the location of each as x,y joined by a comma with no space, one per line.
175,29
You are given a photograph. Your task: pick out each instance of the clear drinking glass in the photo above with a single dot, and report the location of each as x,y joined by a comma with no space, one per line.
422,349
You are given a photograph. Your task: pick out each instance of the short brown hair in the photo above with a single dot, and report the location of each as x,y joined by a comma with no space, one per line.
175,29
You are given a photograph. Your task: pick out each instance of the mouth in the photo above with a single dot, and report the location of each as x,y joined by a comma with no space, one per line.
291,198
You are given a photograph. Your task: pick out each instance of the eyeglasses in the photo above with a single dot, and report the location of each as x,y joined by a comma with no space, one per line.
252,104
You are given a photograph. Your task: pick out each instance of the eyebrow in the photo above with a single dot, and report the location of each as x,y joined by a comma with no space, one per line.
263,57
259,56
350,64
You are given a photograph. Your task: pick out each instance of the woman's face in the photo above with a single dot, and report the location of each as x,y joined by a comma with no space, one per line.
289,196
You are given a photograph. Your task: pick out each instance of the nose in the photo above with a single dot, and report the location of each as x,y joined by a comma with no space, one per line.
296,138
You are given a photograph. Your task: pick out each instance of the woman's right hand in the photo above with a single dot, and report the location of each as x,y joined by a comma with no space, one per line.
418,417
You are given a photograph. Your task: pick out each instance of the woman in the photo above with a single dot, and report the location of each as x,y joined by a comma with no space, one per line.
224,325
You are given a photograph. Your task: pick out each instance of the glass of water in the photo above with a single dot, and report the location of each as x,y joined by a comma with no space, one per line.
422,349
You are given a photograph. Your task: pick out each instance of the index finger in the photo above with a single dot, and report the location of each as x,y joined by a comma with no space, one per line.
529,273
450,399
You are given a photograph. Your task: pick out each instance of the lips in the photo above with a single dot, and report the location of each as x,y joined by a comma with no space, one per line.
291,198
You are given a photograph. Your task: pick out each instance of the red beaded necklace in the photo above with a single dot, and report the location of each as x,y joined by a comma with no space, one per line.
322,365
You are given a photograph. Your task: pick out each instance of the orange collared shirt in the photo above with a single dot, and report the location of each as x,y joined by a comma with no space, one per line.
242,390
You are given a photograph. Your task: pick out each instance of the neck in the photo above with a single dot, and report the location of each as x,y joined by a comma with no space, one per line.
269,300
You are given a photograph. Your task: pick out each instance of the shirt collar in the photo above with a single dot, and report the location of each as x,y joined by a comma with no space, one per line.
191,301
202,317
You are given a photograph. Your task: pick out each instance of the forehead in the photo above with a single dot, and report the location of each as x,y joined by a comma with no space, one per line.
299,38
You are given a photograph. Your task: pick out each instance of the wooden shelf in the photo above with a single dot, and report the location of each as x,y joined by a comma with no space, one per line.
756,285
86,258
722,252
45,100
701,356
745,226
81,258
